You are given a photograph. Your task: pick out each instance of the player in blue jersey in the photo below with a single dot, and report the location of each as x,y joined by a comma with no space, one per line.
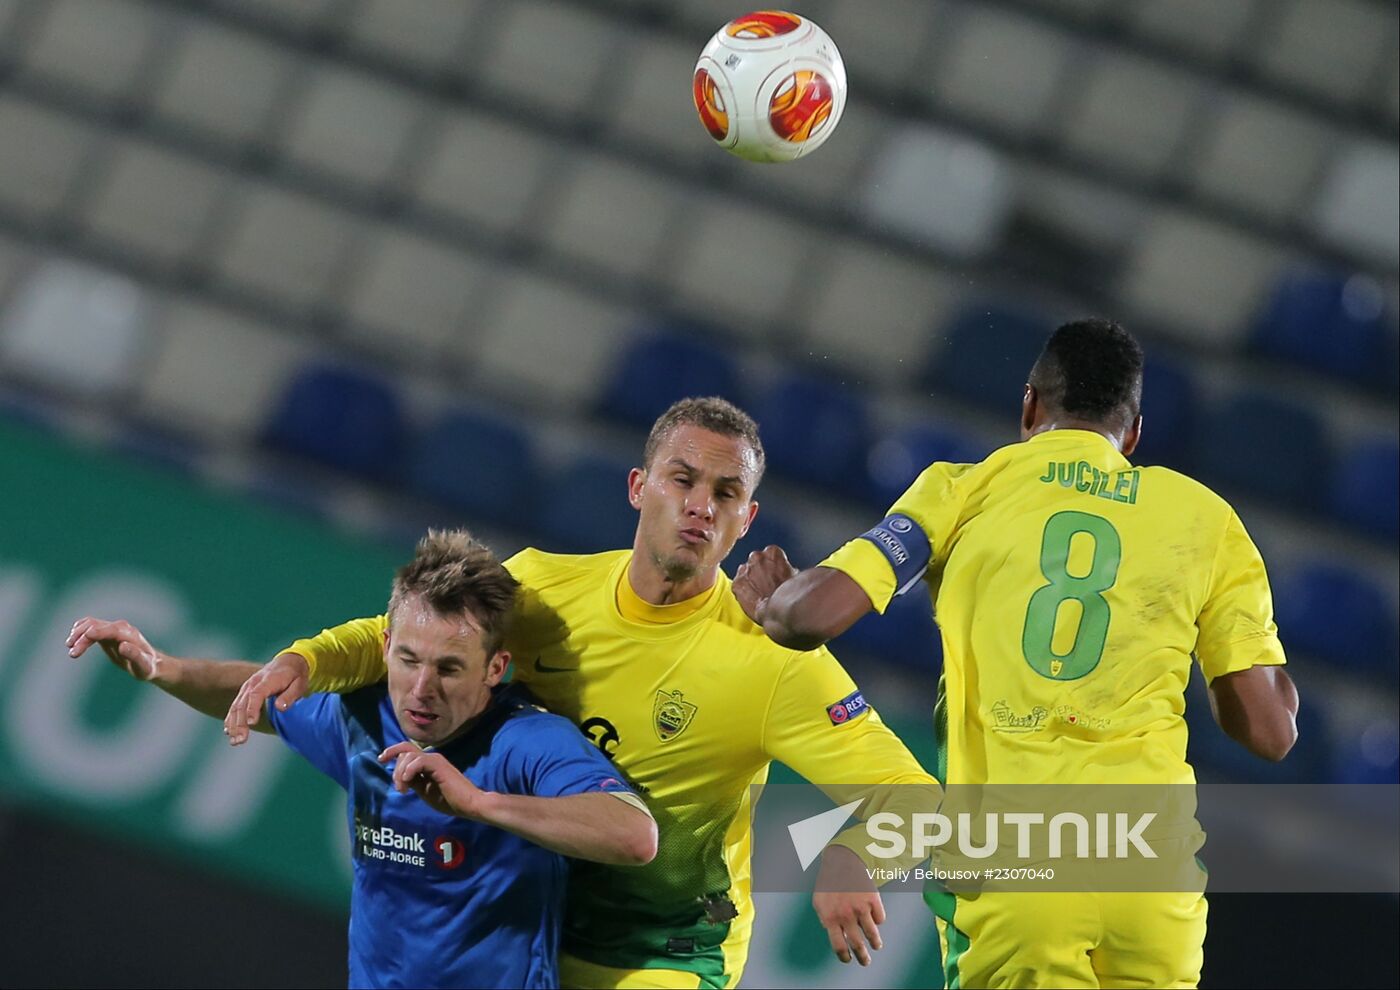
464,797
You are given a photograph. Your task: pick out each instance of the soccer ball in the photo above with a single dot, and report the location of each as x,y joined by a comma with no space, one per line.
770,86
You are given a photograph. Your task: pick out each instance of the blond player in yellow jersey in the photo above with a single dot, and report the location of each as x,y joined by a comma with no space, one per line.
1072,590
650,654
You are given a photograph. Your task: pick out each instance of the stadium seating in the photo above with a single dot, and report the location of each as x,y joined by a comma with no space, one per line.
986,354
1366,488
770,528
655,370
895,461
1326,321
905,634
1337,615
346,419
586,508
815,431
481,464
1267,444
1169,404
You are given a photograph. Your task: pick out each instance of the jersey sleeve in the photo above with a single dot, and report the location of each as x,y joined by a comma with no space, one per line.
549,757
1236,630
314,728
890,558
346,657
820,725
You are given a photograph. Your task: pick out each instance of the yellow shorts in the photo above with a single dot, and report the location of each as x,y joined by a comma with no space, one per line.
575,974
1016,939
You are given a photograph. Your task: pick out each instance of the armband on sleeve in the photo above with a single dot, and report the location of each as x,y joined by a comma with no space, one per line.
905,546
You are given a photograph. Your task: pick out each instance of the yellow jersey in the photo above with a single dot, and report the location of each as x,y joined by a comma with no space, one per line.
1071,590
692,702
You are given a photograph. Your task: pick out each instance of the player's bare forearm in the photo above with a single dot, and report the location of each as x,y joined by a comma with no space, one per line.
598,827
207,686
1258,708
812,607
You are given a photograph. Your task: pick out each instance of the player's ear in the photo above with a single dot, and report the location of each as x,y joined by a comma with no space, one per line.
636,479
1030,400
496,666
753,514
1131,438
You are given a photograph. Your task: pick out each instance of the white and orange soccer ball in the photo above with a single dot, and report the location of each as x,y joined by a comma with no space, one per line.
770,86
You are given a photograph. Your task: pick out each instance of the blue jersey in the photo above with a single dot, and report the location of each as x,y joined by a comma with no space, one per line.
440,901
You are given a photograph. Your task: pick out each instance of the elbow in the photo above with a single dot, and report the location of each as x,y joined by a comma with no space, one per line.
640,846
784,624
1271,742
1278,743
793,638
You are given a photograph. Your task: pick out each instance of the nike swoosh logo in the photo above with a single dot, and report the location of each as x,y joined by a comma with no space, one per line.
546,669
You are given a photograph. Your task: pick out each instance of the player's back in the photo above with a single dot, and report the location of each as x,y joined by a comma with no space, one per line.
1069,596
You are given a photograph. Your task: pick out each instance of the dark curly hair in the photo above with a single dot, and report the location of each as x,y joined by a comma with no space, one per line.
1092,370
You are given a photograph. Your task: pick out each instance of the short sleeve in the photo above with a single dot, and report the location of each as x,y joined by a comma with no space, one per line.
1236,627
314,728
346,657
549,757
889,559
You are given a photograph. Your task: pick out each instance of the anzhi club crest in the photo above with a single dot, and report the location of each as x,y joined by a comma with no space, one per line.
671,714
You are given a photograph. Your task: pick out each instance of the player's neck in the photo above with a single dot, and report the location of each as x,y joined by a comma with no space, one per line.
1069,423
653,586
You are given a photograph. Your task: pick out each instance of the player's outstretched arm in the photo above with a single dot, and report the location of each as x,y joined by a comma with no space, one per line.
600,827
798,609
342,658
285,677
207,686
1258,708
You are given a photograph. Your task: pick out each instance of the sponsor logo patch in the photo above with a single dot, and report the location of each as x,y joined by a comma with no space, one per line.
847,708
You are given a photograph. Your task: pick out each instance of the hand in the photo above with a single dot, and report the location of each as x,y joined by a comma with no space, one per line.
434,779
121,641
848,905
285,678
759,577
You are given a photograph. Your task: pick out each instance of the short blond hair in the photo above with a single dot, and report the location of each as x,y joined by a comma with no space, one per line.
453,573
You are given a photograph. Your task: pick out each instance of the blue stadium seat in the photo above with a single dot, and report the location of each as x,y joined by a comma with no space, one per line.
1260,443
1327,321
1169,406
905,634
478,463
771,527
1366,488
654,371
587,509
1370,756
895,461
815,431
988,353
349,420
1339,616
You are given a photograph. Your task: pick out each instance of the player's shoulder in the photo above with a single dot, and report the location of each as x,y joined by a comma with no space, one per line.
539,568
749,636
524,721
1168,483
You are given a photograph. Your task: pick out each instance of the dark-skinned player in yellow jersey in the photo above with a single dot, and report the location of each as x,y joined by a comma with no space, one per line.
1161,570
